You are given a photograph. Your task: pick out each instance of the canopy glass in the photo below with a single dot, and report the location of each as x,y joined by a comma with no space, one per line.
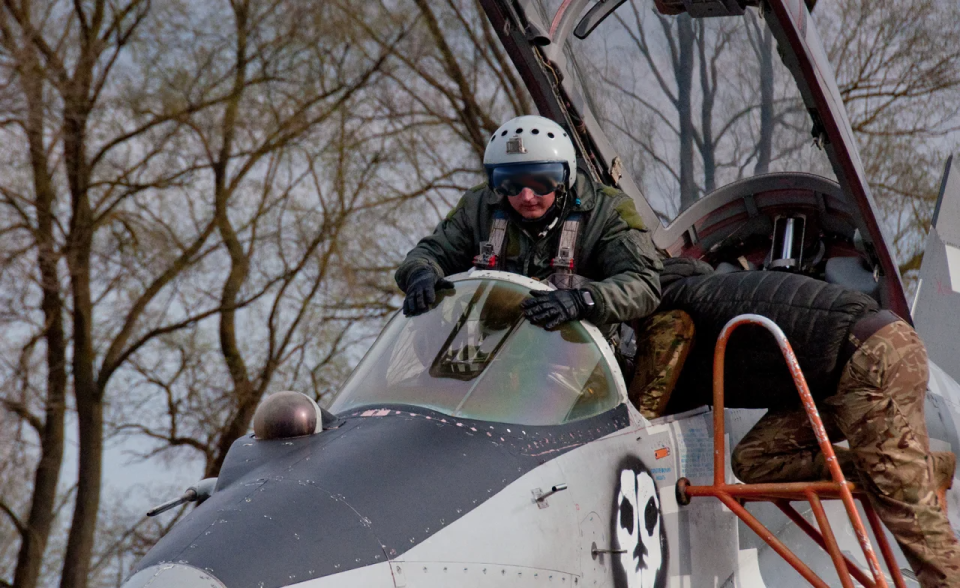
475,356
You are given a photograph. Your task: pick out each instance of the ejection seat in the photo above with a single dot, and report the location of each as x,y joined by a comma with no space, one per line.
664,341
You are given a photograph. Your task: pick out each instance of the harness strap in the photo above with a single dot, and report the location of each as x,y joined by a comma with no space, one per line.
491,250
565,262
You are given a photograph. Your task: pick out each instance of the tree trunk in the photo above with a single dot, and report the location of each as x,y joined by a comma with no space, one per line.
765,144
76,562
89,408
708,90
89,396
244,393
684,73
40,519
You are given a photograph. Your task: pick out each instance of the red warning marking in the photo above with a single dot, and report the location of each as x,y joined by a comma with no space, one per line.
661,453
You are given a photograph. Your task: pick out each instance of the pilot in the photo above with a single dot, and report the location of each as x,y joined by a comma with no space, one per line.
536,216
867,370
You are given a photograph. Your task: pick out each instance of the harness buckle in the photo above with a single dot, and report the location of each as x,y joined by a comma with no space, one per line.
487,259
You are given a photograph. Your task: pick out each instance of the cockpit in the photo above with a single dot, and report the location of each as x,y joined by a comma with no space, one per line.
475,356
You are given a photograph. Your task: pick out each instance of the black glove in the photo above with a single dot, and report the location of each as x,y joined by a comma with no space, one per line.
551,308
422,291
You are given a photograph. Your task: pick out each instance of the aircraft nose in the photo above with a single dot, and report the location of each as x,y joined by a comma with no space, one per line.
172,575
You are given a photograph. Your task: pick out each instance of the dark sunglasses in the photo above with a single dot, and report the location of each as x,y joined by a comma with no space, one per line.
542,178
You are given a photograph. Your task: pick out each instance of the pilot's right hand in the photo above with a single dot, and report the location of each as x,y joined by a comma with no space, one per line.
552,308
422,291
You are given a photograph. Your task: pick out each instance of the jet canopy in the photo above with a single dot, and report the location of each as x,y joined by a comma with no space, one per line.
475,356
688,105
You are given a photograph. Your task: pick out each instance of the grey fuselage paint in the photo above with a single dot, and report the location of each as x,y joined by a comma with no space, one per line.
637,528
290,510
940,424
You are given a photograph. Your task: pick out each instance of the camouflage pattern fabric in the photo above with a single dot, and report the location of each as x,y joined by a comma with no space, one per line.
664,341
878,408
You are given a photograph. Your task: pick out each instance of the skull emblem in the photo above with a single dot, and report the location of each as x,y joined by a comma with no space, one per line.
638,529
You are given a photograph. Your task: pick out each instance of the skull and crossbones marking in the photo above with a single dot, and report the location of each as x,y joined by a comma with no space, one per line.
638,530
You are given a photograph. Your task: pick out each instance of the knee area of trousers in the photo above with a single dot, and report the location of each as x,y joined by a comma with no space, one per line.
742,467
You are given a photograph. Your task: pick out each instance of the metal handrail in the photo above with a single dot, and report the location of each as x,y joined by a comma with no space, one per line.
782,494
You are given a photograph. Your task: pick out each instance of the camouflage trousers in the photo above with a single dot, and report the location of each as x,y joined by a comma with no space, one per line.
664,340
878,408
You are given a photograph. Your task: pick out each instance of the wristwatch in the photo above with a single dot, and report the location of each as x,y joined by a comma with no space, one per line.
587,299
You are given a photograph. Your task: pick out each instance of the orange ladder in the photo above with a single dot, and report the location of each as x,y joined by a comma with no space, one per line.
735,495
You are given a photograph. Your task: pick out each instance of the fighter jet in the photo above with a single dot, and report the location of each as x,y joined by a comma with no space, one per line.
471,448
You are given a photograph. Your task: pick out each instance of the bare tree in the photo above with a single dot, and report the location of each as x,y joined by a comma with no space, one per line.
104,151
708,90
196,194
898,68
357,182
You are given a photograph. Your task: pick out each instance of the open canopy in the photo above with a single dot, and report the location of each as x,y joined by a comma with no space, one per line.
690,105
674,100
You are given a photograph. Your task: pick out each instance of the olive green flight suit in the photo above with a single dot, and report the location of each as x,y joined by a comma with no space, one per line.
614,249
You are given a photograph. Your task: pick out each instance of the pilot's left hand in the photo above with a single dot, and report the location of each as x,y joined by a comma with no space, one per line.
551,308
421,291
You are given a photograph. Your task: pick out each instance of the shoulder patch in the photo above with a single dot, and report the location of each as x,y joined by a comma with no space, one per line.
609,191
463,199
628,212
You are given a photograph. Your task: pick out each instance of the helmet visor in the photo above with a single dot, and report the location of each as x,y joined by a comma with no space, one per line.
542,178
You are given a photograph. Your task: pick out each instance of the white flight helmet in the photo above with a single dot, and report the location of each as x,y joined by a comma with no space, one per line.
518,148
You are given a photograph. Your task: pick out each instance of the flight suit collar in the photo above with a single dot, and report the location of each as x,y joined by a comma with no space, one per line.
584,194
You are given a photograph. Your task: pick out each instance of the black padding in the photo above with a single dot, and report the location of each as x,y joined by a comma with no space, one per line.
814,315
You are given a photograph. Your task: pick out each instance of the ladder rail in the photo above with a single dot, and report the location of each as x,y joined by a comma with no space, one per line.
737,492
